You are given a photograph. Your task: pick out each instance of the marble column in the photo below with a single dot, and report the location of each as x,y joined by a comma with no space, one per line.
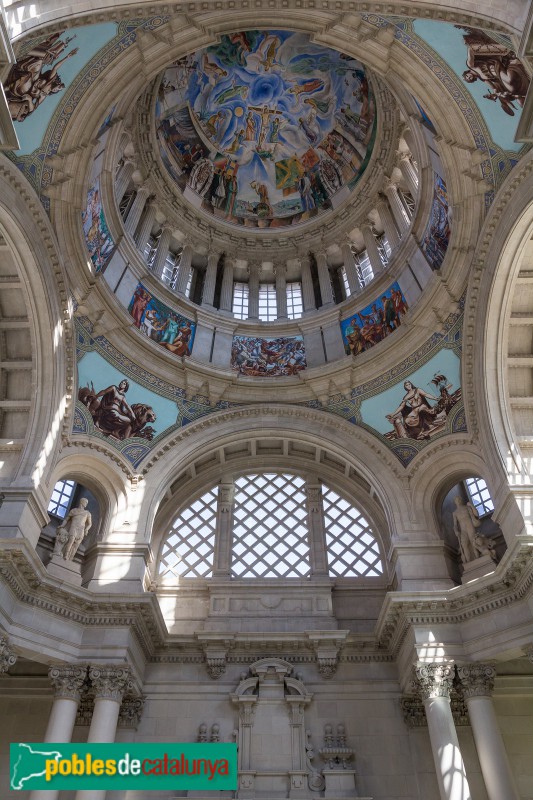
435,682
162,251
387,220
67,681
308,292
408,171
7,656
350,268
136,210
109,684
145,226
254,271
123,179
184,270
324,278
317,537
478,683
371,247
208,294
223,540
226,290
280,271
396,206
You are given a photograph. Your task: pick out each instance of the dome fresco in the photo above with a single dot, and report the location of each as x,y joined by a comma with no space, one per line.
265,129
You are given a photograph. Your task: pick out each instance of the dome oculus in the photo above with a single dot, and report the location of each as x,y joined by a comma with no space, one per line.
265,129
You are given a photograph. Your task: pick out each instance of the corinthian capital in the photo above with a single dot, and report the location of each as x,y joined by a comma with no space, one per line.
67,680
7,656
477,679
434,680
110,681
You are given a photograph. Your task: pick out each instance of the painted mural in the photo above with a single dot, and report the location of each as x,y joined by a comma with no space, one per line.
98,239
266,128
160,323
372,324
257,357
436,236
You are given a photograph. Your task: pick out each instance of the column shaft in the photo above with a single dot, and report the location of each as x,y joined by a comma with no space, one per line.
372,248
308,292
281,291
253,291
409,173
350,268
324,279
145,227
123,178
317,536
162,251
387,220
226,290
222,556
396,206
184,269
136,210
208,294
493,759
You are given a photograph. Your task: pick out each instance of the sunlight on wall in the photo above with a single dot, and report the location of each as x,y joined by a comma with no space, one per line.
49,442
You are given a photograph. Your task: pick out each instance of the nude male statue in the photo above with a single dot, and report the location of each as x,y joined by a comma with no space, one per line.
69,540
471,542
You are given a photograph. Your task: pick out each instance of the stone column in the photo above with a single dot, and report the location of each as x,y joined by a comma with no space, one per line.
324,279
136,210
396,206
254,270
350,268
280,271
308,292
123,179
145,228
7,656
184,270
162,251
317,537
372,247
109,684
478,684
435,683
208,294
226,290
409,173
67,681
387,220
223,540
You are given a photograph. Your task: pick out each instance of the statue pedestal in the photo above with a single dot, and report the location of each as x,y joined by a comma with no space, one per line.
339,783
68,571
478,568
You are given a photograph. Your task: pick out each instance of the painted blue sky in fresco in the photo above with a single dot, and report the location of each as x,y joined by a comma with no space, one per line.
449,44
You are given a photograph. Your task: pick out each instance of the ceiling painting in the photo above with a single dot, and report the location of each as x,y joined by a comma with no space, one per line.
265,129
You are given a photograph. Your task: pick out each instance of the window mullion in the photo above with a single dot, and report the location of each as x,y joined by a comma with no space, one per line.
224,537
317,533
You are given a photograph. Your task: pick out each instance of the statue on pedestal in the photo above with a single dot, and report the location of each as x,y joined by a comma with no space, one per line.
472,543
68,539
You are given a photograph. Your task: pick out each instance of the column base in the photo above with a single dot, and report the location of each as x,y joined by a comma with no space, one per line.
478,568
68,571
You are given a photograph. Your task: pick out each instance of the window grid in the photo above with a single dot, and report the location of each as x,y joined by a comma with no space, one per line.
295,306
384,249
268,310
240,300
409,203
270,533
188,551
351,546
480,496
61,498
364,268
345,282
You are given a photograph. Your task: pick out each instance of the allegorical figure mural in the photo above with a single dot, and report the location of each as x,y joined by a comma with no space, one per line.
264,128
257,357
372,324
97,236
160,323
416,417
113,415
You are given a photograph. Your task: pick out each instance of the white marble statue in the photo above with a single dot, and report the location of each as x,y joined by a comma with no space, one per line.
472,543
68,539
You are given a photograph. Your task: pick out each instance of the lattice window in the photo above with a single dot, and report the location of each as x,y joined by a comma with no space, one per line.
240,300
351,546
270,535
384,249
189,549
61,498
268,310
409,203
479,496
295,305
364,268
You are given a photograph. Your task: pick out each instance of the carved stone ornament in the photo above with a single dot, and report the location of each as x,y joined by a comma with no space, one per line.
215,667
131,712
110,682
477,679
434,680
327,667
68,680
335,752
225,498
414,713
7,656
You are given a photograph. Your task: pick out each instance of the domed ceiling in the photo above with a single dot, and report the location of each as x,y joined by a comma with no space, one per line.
266,129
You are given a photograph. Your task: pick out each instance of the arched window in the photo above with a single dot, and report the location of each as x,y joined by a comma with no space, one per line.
268,534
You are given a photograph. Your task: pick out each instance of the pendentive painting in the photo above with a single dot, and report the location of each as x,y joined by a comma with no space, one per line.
266,128
372,324
97,236
160,323
257,357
